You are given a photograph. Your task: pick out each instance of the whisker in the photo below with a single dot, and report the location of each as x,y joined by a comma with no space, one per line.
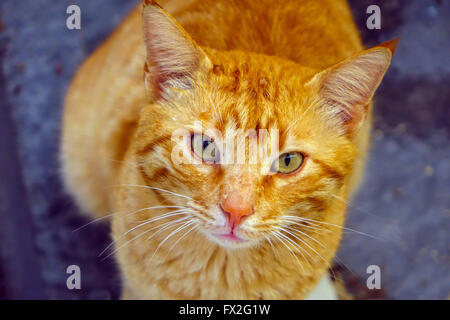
183,236
165,225
342,262
314,228
275,234
335,225
215,109
95,220
296,245
154,188
165,215
307,235
271,244
307,244
273,248
297,218
122,212
187,224
168,225
301,116
321,244
219,116
353,206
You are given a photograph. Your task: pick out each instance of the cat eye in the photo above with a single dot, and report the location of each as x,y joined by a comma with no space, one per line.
288,162
205,148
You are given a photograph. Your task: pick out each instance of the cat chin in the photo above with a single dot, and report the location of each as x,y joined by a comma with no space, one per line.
230,242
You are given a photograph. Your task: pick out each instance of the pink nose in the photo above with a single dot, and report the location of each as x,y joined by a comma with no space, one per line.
236,208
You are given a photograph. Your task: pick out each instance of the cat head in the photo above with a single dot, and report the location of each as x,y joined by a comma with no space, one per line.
303,122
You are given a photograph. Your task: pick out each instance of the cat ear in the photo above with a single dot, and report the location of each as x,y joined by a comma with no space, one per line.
347,88
172,56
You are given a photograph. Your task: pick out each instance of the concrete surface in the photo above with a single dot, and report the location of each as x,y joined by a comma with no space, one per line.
404,199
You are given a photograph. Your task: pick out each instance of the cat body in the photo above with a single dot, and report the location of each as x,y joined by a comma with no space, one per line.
294,66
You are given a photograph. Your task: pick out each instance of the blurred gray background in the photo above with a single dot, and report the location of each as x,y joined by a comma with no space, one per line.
404,200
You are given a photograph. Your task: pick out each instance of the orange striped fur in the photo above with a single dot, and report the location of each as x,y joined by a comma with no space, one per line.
295,66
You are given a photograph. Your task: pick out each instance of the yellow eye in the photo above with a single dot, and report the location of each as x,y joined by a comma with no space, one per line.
204,148
288,162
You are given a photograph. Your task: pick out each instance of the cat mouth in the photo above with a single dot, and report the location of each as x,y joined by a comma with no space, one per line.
231,236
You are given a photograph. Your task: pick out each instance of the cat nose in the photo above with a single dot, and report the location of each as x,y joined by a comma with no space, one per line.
236,207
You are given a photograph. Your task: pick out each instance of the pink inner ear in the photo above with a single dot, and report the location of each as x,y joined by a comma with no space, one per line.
348,88
172,56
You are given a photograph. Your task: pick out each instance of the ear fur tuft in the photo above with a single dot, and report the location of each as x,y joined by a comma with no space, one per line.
347,88
172,56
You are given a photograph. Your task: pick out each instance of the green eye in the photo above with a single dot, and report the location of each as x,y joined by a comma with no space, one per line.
204,148
288,162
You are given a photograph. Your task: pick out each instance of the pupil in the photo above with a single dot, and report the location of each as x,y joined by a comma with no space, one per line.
287,160
205,144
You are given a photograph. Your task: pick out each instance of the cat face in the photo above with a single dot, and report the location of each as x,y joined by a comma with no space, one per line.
246,99
213,114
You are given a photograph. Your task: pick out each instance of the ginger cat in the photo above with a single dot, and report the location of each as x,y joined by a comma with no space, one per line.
207,229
